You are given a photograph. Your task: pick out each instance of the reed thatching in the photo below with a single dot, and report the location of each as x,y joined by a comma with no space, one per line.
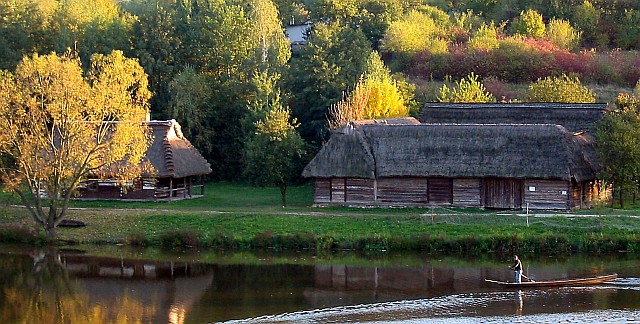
456,151
574,117
171,154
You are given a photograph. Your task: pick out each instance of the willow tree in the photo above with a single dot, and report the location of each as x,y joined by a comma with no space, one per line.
62,126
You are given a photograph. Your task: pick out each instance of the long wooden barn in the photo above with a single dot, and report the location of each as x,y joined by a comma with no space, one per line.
178,171
513,166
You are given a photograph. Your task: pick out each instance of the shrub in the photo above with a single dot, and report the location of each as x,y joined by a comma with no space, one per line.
466,90
560,89
529,23
136,239
485,38
413,33
562,34
184,237
21,234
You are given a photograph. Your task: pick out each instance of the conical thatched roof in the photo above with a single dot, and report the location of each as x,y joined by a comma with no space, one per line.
456,151
171,154
574,117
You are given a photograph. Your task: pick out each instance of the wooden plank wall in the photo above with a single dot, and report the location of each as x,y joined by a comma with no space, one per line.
440,191
360,191
403,191
322,191
466,193
548,194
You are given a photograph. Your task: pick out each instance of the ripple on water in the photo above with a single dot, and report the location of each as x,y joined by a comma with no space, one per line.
490,307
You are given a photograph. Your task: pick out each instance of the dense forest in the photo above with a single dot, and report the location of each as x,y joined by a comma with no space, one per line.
225,70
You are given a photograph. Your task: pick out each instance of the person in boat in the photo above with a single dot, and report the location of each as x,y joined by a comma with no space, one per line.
517,267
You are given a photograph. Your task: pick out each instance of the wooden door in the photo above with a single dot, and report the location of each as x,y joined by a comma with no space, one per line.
503,193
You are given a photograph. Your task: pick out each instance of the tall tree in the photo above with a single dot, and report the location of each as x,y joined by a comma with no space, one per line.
270,155
62,127
618,139
330,64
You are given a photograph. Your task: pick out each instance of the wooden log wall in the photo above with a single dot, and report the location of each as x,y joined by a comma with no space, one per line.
547,194
466,193
403,191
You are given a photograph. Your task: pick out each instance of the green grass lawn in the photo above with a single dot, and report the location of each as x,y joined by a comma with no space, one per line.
238,216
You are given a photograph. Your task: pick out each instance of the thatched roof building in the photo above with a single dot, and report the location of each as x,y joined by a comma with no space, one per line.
178,170
171,154
574,117
455,151
404,163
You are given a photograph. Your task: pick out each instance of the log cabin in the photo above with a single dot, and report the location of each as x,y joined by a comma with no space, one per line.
178,171
502,165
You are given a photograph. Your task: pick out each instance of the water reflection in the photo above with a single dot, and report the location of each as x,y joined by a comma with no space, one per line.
53,286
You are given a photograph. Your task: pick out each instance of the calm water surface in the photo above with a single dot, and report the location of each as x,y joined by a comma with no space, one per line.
123,285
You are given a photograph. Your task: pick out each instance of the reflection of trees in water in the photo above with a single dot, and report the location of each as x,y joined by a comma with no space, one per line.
39,290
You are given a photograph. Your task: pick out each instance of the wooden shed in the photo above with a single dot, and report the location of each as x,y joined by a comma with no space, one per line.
539,166
179,171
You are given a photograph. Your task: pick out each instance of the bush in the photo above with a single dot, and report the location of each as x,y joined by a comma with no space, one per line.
21,234
529,23
184,237
562,34
560,89
466,90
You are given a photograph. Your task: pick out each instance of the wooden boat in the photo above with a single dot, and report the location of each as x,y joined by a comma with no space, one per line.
558,283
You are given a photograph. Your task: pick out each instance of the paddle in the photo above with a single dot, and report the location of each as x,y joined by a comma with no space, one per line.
527,278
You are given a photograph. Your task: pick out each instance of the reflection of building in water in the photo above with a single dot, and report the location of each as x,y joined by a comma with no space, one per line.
335,284
166,289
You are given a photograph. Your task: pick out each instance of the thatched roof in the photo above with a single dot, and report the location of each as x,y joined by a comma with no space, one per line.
574,117
171,154
456,151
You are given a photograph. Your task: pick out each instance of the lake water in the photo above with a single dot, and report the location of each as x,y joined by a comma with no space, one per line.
117,284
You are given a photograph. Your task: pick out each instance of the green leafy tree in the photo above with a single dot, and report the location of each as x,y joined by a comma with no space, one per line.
61,128
529,23
413,33
484,38
587,19
190,96
561,33
271,154
618,137
94,26
628,36
560,89
25,28
468,89
330,63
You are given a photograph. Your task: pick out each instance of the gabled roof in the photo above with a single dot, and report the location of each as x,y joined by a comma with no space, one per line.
574,117
456,151
171,154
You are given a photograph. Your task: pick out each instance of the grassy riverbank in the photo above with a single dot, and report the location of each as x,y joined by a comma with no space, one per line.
238,217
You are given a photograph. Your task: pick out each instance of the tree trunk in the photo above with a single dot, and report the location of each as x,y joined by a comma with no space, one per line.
50,230
283,194
620,195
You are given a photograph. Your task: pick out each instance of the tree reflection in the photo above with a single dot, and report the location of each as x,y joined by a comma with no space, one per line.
39,290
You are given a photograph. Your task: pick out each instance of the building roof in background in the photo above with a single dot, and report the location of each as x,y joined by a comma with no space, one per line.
574,117
171,154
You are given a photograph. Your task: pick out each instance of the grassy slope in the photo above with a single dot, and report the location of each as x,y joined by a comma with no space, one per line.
246,217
